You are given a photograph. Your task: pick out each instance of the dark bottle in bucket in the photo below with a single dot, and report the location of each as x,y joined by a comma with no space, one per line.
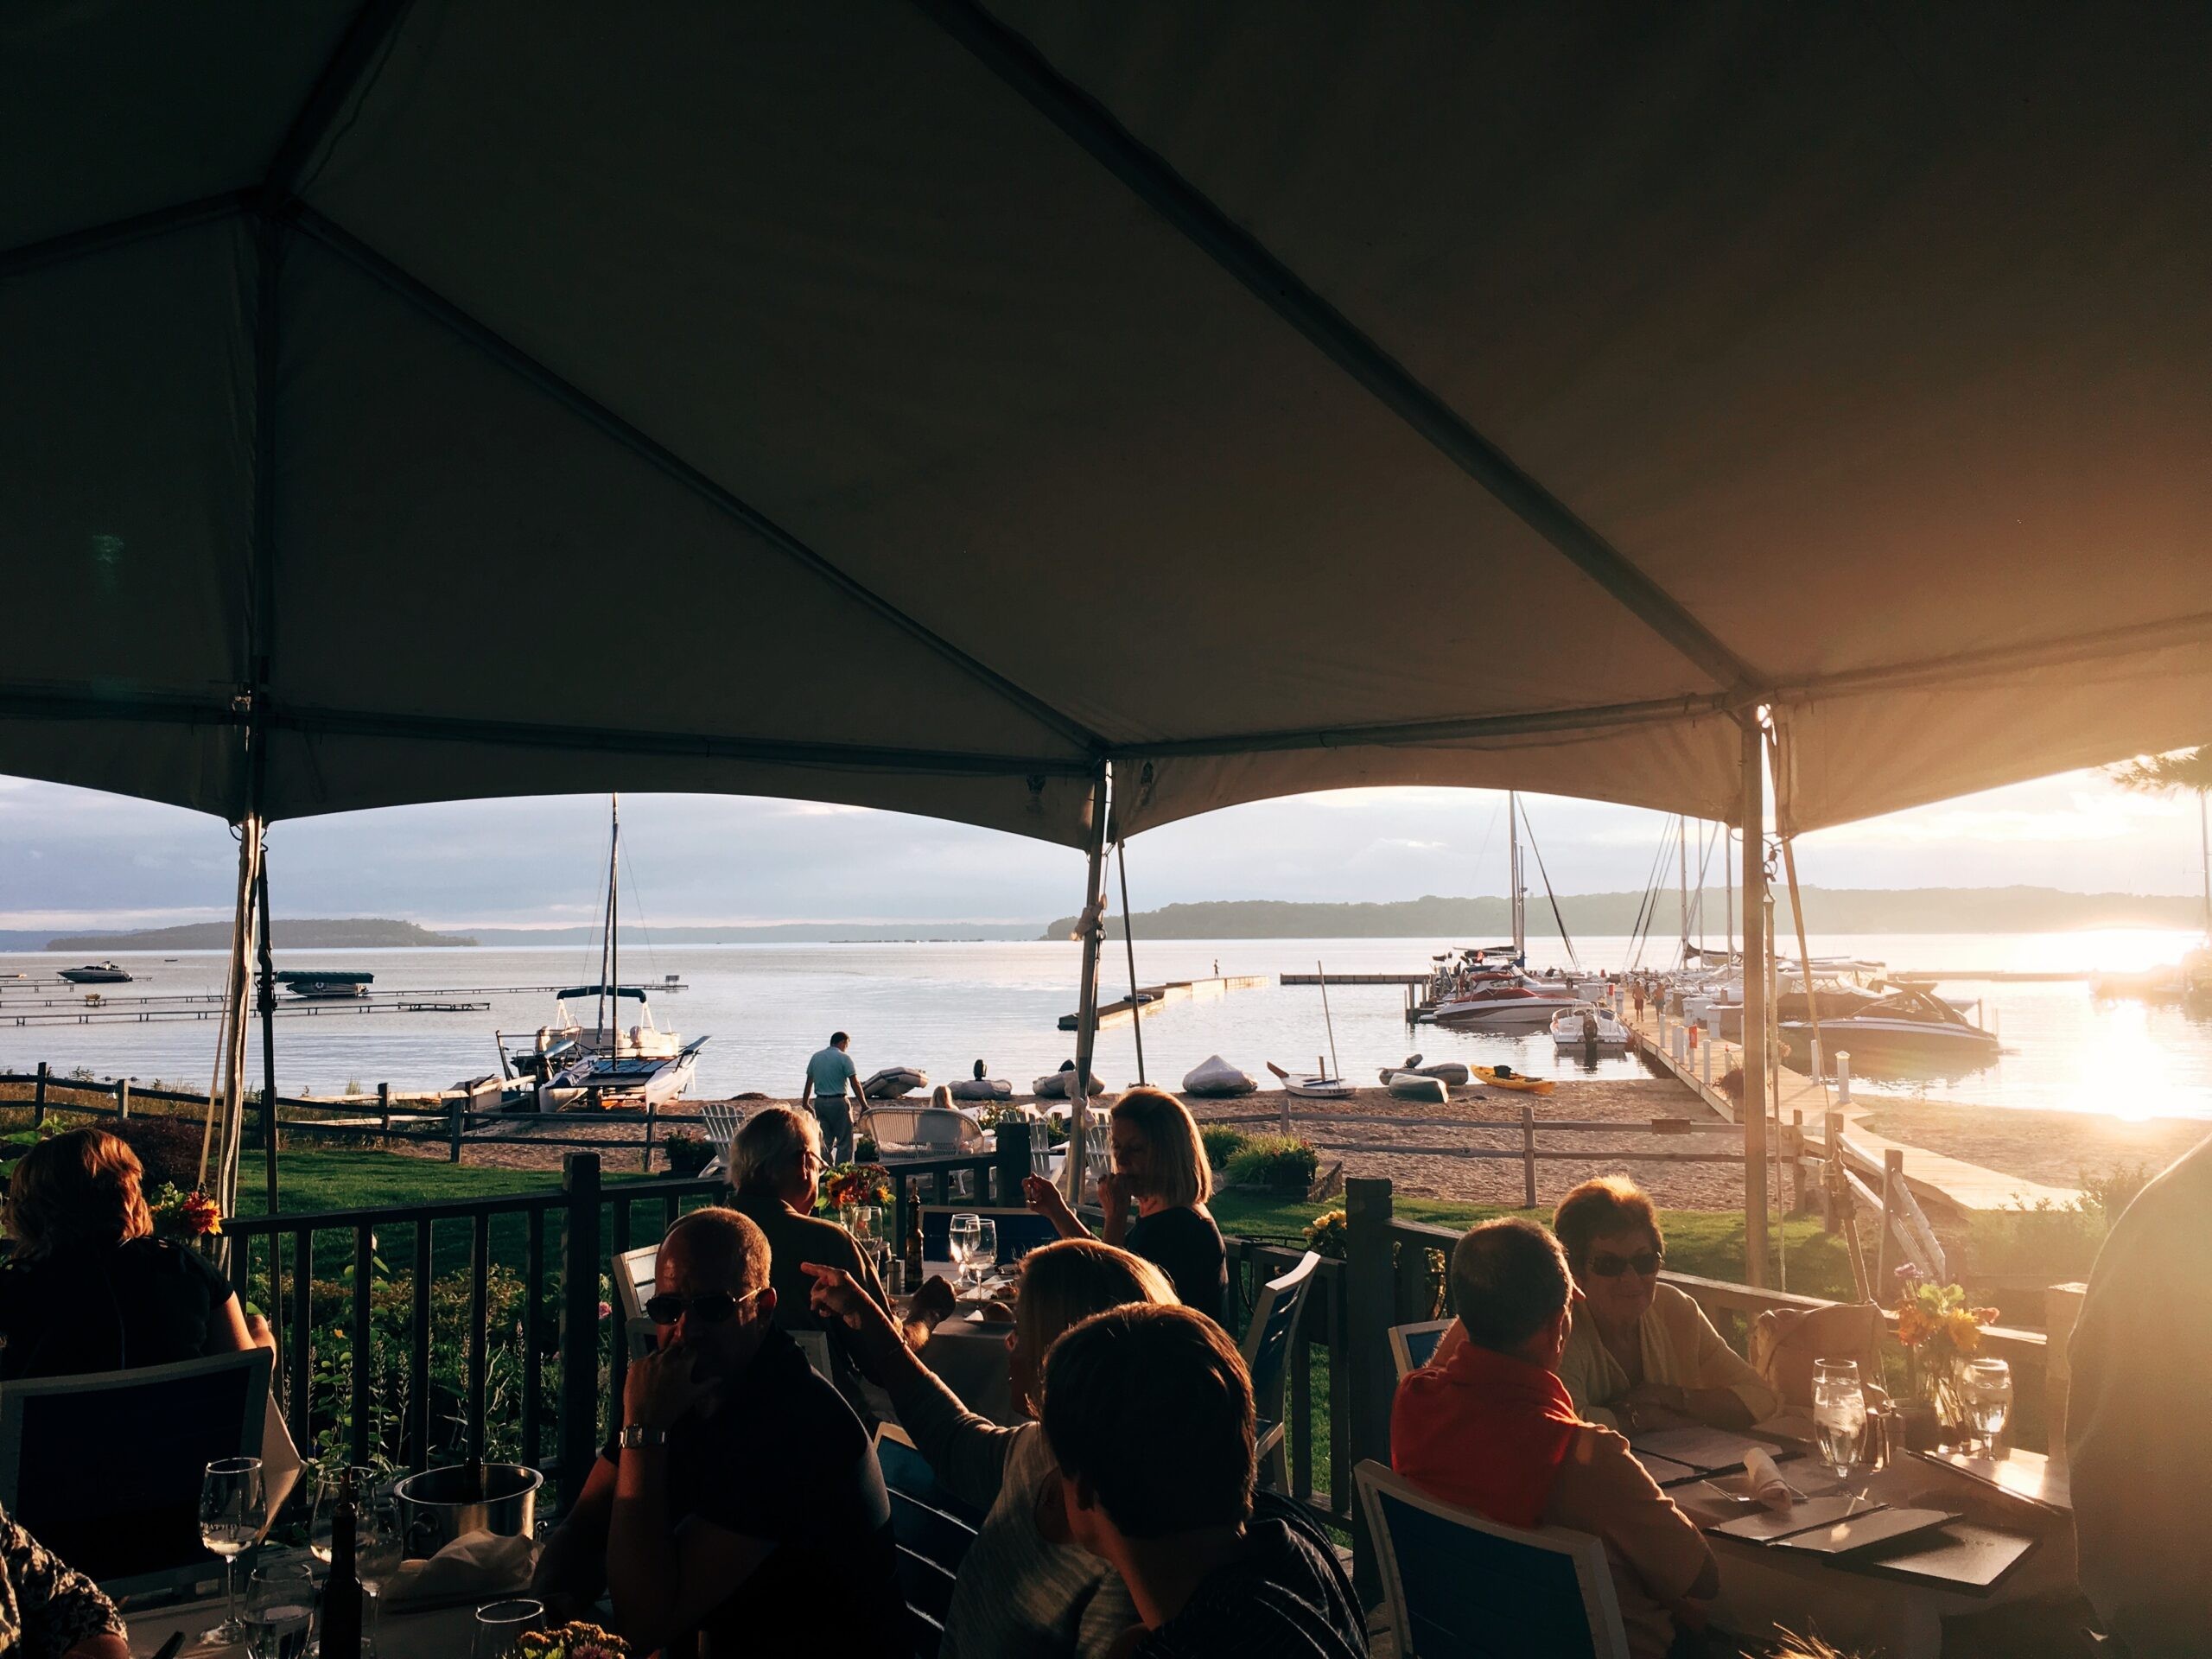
341,1592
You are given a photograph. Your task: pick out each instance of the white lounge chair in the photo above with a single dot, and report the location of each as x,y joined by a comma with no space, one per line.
721,1122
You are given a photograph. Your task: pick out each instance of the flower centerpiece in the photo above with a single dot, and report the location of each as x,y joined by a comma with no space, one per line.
574,1640
1940,1333
179,1214
845,1184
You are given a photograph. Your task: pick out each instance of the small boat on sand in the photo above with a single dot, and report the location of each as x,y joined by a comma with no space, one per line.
1504,1076
1312,1085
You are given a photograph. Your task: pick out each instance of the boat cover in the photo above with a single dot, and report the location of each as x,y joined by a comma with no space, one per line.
1216,1078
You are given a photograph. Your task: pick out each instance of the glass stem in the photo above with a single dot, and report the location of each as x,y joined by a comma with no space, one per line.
231,1590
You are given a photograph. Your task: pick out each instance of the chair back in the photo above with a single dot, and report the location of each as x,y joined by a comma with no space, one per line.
815,1344
123,1509
1270,1339
633,1279
1413,1346
1020,1231
1784,1342
720,1122
1459,1585
932,1530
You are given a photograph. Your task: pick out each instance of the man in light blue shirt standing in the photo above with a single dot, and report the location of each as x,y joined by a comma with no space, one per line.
829,1072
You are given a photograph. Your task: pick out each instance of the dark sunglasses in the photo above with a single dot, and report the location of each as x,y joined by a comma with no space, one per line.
708,1307
1606,1265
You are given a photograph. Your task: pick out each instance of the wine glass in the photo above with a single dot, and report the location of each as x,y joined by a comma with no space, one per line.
986,1248
233,1508
329,1487
279,1604
1987,1389
500,1624
379,1546
1839,1414
961,1240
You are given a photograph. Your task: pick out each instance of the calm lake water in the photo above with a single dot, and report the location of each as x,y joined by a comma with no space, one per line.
940,1006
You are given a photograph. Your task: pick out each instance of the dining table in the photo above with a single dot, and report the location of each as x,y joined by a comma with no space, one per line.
1895,1601
437,1633
968,1351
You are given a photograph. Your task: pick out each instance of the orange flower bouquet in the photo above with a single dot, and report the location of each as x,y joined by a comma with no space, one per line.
178,1214
1940,1333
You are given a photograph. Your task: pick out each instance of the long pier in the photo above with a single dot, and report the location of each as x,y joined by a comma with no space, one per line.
1354,979
1150,998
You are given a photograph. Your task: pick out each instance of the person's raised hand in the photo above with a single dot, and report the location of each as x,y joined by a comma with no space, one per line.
1112,1192
835,1295
1043,1197
663,1389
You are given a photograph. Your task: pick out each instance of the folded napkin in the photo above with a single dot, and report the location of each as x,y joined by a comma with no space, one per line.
1763,1482
477,1564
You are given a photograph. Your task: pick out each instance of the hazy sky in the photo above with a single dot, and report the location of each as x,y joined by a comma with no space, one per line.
71,857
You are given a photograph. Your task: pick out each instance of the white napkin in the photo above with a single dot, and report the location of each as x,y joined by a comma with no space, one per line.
475,1564
1763,1481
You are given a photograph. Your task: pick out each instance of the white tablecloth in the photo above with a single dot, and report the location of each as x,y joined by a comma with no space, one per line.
1762,1587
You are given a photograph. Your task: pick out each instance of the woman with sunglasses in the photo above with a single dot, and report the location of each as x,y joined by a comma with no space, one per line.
1640,1355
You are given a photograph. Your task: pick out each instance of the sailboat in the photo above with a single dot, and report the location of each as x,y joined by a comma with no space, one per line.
1323,1083
608,1064
1506,996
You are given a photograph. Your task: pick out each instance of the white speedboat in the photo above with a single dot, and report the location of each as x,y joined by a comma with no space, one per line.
1911,1031
1505,1001
1587,1025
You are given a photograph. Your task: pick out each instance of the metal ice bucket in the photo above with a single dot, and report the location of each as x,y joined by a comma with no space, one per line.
432,1513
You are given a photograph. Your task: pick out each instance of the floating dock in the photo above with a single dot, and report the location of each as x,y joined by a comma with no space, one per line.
1150,998
1354,979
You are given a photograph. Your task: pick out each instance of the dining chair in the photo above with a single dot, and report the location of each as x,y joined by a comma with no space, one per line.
1270,1349
123,1509
634,1279
932,1530
1413,1346
1459,1585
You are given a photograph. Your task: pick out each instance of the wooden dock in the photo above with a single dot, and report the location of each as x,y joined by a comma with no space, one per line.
1150,998
1353,979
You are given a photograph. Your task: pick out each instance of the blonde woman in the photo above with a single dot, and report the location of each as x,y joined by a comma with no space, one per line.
1159,1163
88,1287
1022,1588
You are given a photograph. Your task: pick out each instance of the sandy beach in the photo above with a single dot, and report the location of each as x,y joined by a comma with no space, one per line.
2057,1147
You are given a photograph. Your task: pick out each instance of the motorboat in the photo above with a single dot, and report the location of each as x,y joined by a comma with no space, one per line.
1911,1030
97,973
1507,1000
1588,1025
319,985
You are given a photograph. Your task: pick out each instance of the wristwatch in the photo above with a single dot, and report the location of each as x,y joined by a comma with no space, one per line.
638,1435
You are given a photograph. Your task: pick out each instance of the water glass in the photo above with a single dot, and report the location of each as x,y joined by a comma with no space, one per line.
379,1546
1840,1414
329,1487
501,1624
233,1508
961,1238
1986,1388
987,1248
279,1605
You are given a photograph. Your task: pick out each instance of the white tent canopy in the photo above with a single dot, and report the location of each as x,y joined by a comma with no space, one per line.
915,404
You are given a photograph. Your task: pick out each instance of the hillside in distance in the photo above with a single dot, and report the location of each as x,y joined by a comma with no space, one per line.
1828,910
340,933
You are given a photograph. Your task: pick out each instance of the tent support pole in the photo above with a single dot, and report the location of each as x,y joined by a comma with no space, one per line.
268,1032
1130,945
1754,1003
1092,922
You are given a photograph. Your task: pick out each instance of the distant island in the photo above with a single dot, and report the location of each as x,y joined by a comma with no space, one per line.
347,933
1828,910
769,933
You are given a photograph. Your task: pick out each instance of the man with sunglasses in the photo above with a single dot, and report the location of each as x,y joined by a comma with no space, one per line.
742,1499
1488,1425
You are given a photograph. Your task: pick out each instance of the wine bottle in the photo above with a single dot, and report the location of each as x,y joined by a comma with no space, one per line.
341,1590
472,1481
914,1247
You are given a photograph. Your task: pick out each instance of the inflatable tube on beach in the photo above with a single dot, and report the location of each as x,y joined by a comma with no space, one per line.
1053,1085
1512,1079
983,1089
1452,1074
1411,1085
1215,1078
894,1081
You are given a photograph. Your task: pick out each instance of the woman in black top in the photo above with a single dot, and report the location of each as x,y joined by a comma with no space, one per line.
1160,1163
87,1286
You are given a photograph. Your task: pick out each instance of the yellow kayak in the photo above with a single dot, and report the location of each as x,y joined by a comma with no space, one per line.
1512,1079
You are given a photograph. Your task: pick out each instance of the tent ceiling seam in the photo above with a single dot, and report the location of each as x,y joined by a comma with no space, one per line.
372,26
365,259
1414,733
120,233
1092,126
2000,662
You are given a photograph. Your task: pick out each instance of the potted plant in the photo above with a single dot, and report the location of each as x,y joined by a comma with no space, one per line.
1281,1163
686,1151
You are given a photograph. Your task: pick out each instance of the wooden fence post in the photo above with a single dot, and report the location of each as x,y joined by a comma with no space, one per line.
580,1338
1794,1147
1369,1298
1832,1177
1892,1175
460,1122
38,1097
384,1112
1528,1157
1012,1167
123,1100
646,1159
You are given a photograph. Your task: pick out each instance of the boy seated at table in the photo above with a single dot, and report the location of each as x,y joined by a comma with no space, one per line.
1148,1413
1488,1426
742,1497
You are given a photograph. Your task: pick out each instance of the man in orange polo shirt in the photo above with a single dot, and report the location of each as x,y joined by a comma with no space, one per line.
1487,1426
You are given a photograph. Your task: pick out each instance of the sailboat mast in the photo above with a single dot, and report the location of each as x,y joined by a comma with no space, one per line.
1682,846
1513,874
1728,885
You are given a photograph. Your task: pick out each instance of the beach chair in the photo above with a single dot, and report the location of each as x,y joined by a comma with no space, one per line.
1459,1585
1413,1346
122,1508
720,1121
903,1132
634,1279
1270,1349
932,1530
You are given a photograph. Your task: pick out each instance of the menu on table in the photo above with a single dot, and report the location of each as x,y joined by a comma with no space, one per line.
1706,1451
2030,1476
